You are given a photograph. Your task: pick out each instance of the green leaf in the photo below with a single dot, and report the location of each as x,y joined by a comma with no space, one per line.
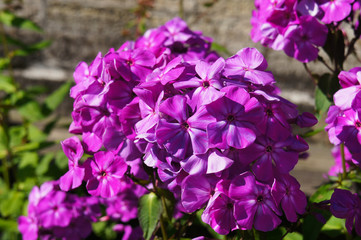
35,134
4,62
31,146
27,50
61,160
44,163
323,193
321,102
31,110
311,227
7,84
17,133
149,211
334,227
3,139
57,97
12,205
28,159
220,48
11,20
8,225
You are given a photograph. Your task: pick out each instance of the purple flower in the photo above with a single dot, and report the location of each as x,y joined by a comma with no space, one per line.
250,65
74,151
53,210
219,213
234,114
254,205
346,205
178,134
335,10
106,170
196,191
286,192
303,39
28,227
207,85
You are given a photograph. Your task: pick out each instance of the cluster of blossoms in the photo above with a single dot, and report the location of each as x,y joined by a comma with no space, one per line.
54,214
344,130
215,132
298,27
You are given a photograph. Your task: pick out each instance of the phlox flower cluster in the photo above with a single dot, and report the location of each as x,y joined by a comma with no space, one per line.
344,123
298,27
214,131
344,127
55,214
346,205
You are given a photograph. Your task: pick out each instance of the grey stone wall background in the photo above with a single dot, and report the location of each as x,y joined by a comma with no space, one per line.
79,29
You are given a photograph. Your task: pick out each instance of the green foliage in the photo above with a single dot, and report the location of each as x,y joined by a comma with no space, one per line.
24,163
149,212
10,19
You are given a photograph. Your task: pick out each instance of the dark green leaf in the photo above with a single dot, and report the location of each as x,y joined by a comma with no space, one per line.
8,225
3,139
311,227
11,20
321,102
149,211
57,97
25,51
7,84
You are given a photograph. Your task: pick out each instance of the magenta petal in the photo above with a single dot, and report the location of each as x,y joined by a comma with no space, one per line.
72,179
240,136
196,191
218,162
217,134
195,164
265,220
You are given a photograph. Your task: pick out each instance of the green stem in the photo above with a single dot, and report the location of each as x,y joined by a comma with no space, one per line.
181,9
5,169
162,227
342,150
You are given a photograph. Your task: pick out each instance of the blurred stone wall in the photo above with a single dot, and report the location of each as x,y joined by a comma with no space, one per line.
80,29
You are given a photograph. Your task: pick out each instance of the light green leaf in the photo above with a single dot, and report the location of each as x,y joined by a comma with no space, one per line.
28,159
149,211
35,134
7,84
13,204
31,110
44,163
11,20
17,133
323,193
57,97
334,227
